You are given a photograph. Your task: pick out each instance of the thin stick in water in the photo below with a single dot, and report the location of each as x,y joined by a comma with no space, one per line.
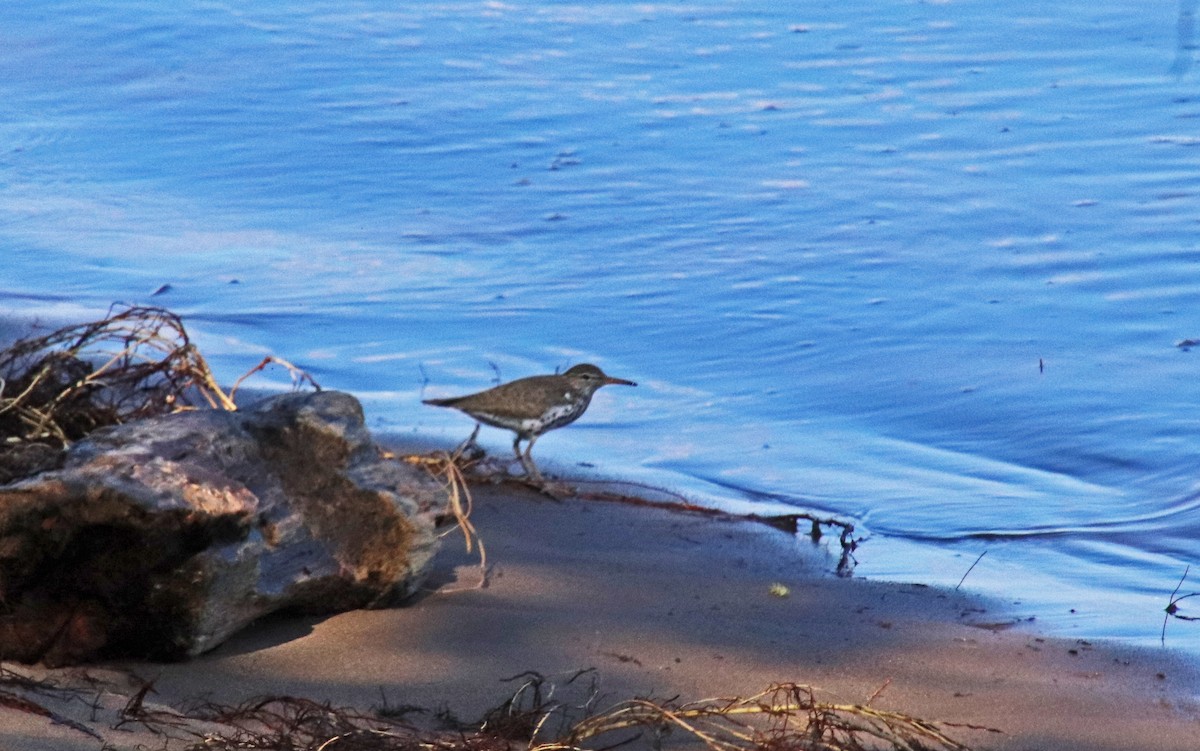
964,576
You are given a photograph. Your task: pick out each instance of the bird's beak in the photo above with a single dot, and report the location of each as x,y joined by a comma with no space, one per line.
610,381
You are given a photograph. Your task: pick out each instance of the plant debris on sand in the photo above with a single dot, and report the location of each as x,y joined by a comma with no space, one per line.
134,363
784,717
470,463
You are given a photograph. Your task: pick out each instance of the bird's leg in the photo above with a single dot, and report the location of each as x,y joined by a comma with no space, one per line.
522,457
528,463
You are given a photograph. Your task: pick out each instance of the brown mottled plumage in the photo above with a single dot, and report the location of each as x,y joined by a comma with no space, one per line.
535,405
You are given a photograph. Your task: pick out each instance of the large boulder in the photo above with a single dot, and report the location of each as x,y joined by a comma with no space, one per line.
160,538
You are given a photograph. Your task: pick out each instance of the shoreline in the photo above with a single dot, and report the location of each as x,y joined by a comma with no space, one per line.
663,604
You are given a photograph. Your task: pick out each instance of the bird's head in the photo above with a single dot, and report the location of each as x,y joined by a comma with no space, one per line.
589,378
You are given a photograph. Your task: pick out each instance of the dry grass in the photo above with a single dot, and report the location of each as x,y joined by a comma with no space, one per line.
136,362
449,468
785,717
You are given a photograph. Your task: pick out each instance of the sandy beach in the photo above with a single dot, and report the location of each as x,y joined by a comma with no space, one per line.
664,604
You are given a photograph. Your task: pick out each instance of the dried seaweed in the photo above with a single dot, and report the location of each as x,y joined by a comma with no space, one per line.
784,717
136,362
534,711
22,686
535,717
449,467
469,462
133,363
287,723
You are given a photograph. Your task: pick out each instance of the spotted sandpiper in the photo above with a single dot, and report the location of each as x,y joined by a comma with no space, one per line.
535,405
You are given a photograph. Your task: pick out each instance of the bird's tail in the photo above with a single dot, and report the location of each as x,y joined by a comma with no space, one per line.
441,402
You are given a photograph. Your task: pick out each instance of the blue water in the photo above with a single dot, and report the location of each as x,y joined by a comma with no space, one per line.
923,265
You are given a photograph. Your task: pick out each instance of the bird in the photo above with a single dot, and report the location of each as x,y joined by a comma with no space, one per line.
532,406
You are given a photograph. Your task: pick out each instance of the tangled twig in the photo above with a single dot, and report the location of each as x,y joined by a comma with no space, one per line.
450,467
784,716
136,362
1172,609
133,363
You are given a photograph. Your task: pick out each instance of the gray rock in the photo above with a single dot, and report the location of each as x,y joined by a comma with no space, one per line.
161,538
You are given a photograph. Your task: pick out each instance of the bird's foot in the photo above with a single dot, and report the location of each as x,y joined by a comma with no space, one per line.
552,488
